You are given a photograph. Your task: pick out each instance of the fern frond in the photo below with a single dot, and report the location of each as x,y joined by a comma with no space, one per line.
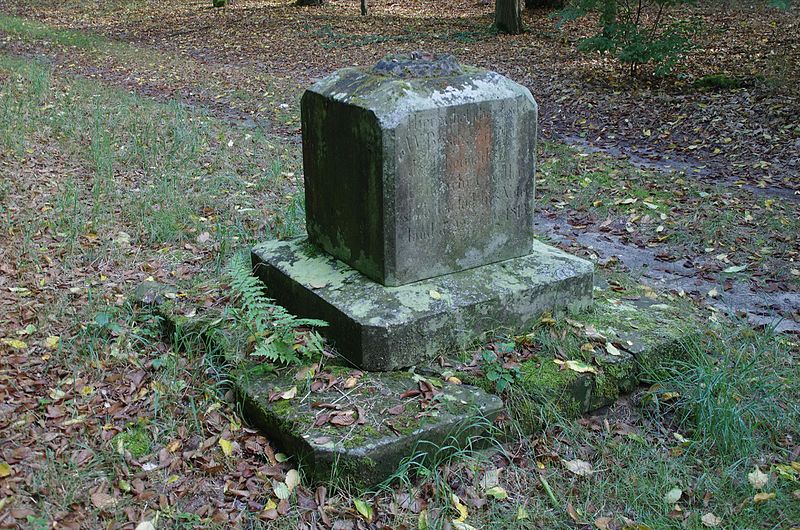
273,327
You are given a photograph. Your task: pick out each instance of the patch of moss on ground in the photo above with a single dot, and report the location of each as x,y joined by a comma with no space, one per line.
134,439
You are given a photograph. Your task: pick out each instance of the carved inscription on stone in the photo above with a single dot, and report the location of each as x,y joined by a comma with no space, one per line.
458,183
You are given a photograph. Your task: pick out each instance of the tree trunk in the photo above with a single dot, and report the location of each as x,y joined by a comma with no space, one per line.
508,16
309,2
363,8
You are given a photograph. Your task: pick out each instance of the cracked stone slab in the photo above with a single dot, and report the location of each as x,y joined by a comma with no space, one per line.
383,420
386,328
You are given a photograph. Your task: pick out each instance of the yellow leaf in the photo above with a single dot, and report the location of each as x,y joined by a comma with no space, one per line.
454,380
422,521
576,366
52,342
763,497
292,479
5,469
227,446
786,471
15,343
436,295
522,513
547,319
289,394
460,508
612,350
364,509
497,492
270,505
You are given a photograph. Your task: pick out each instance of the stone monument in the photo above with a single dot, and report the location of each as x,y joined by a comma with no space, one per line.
419,179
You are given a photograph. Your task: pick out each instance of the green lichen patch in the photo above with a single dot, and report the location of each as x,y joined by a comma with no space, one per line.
355,425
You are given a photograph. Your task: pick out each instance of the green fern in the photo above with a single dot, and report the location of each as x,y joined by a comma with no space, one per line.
272,327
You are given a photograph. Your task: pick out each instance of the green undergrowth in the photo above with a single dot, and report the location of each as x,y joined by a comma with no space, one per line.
734,393
699,424
572,364
168,171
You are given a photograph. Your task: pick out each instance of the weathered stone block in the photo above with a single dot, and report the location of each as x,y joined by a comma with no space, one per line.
380,419
410,177
386,328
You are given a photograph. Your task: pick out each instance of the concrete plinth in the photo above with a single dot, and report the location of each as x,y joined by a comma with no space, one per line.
387,328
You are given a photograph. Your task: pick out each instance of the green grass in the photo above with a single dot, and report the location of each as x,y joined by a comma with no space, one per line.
162,168
33,30
736,395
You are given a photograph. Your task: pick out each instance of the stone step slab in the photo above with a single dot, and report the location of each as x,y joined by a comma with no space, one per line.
382,328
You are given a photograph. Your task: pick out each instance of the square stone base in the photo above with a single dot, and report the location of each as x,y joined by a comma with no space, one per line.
387,328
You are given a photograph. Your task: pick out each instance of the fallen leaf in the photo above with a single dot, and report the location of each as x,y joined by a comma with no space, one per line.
364,509
612,350
5,469
281,490
397,409
762,497
436,295
289,394
146,525
603,523
573,514
576,366
103,501
673,496
460,508
734,269
343,419
579,467
497,492
522,513
490,479
711,520
292,479
15,343
227,446
757,478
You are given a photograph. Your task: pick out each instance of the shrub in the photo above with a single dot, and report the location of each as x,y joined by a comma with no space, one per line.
635,33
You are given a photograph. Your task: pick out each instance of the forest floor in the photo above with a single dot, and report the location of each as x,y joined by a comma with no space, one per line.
154,139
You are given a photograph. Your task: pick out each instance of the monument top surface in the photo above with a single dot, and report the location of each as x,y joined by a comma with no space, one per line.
418,64
400,85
